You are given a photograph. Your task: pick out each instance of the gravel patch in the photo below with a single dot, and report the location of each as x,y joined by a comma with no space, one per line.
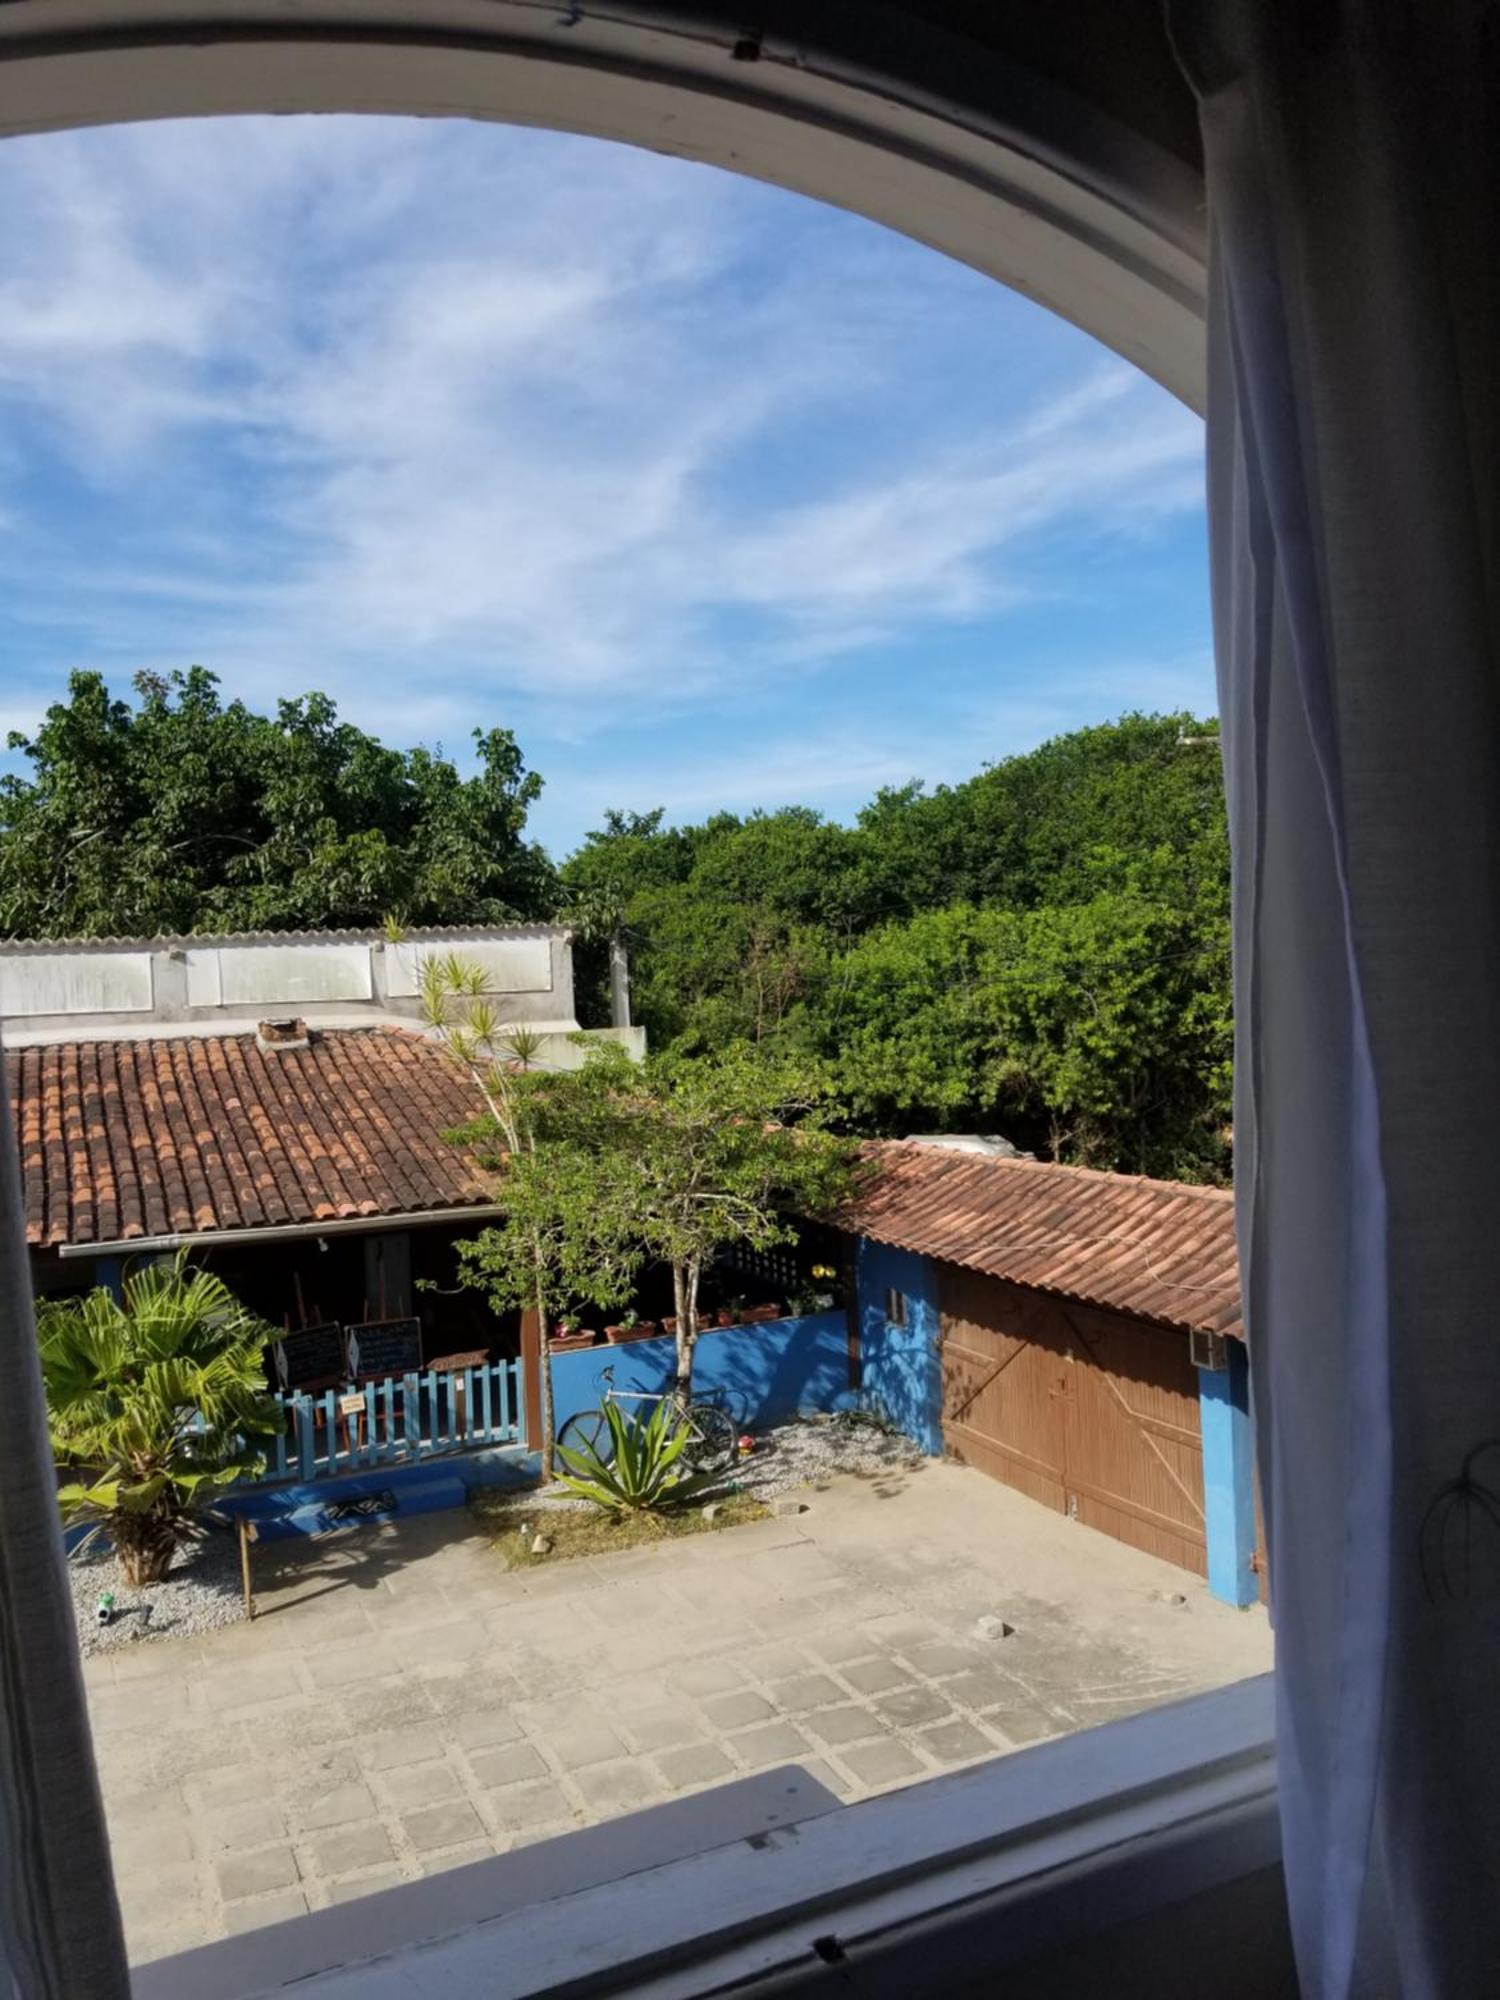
817,1449
544,1499
200,1593
805,1453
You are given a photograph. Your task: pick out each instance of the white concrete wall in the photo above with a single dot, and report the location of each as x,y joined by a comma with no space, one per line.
67,982
510,965
275,975
78,991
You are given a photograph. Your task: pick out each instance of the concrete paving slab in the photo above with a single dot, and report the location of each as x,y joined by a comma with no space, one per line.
349,1849
442,1826
773,1743
411,1785
403,1746
508,1764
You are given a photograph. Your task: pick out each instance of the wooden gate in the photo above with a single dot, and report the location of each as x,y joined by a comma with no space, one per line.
1091,1413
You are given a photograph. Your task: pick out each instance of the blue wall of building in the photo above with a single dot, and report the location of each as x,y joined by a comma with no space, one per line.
1228,1477
902,1365
760,1374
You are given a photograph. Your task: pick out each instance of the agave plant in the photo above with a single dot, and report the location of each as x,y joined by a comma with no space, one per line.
156,1401
637,1468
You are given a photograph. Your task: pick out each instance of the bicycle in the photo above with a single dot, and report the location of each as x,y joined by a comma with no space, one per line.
712,1437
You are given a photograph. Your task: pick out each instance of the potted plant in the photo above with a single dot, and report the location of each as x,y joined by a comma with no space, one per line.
570,1332
630,1326
758,1314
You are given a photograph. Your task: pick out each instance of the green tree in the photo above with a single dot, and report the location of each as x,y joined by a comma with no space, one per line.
180,812
1043,945
156,1401
528,1262
728,1150
728,924
696,1155
909,1025
1099,1030
621,1165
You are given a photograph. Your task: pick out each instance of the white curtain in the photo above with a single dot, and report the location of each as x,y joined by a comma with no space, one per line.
60,1933
1354,475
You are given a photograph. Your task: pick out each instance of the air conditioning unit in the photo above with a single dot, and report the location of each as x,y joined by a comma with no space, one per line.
1209,1350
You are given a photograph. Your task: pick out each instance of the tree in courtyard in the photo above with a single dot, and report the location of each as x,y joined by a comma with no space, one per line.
565,1237
156,1401
689,1157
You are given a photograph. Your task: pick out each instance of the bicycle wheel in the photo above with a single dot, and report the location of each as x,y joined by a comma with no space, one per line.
713,1441
588,1430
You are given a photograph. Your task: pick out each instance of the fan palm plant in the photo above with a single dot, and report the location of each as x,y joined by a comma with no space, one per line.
155,1400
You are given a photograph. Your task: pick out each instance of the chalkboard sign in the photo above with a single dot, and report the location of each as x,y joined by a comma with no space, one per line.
386,1347
315,1354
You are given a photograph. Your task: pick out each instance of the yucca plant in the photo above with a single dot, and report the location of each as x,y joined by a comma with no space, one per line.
642,1471
156,1401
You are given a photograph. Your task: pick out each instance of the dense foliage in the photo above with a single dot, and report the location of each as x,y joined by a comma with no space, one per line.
1042,950
179,812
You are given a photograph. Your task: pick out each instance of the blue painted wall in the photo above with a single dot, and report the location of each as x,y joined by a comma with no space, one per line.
760,1374
1228,1477
902,1365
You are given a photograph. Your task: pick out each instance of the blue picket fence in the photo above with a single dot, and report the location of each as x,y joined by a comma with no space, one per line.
396,1421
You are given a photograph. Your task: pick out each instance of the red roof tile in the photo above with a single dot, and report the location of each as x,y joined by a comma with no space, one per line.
192,1134
1157,1249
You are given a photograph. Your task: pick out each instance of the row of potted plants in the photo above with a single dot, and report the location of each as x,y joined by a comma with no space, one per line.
570,1333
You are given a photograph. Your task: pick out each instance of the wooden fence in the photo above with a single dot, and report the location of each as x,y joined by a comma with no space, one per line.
396,1421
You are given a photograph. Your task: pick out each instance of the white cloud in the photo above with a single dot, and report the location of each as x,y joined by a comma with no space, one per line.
363,404
935,540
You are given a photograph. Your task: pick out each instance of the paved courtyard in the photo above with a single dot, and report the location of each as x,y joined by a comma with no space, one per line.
403,1704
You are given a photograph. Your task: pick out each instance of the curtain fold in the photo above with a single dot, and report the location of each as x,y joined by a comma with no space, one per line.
60,1936
1353,461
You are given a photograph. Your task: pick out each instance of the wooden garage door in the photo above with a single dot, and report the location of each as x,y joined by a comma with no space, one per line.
1090,1413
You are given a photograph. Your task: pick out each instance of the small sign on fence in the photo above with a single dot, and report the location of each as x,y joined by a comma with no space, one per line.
386,1347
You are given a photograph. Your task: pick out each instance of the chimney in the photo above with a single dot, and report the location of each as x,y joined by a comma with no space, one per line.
281,1035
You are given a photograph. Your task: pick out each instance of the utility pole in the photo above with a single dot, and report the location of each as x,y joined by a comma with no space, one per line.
619,984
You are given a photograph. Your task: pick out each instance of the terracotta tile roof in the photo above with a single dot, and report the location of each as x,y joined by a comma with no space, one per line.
196,1133
1154,1248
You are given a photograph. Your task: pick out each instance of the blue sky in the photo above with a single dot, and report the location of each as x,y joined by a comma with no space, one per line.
716,497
